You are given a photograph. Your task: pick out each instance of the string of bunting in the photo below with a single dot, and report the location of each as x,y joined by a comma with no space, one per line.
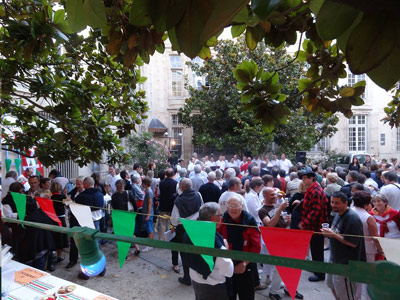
202,233
222,223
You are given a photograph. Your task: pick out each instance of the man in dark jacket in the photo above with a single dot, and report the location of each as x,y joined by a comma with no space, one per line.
209,191
187,206
167,196
93,198
352,178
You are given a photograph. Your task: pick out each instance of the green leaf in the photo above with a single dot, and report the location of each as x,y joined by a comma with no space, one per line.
237,30
334,18
190,28
212,42
370,43
304,83
138,15
222,14
250,67
342,40
360,83
242,16
95,13
315,6
173,39
251,39
264,7
242,75
388,72
205,53
165,14
76,15
346,92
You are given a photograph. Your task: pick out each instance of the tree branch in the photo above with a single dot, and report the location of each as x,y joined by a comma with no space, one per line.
18,152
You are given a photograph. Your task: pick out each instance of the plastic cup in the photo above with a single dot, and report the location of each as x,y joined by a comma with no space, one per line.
325,225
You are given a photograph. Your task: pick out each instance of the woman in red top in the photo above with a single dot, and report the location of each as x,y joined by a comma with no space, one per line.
243,239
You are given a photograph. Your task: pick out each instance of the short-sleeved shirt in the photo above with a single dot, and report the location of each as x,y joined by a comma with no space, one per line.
147,197
269,211
347,223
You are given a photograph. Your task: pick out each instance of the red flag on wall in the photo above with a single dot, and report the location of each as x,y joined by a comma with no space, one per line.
47,206
289,243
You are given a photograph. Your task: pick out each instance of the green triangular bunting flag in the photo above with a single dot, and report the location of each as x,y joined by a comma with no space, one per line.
17,164
8,164
124,224
202,234
20,203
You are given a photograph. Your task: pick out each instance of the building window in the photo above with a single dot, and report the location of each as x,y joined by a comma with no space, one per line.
176,83
357,133
175,120
382,139
398,139
320,146
352,79
176,76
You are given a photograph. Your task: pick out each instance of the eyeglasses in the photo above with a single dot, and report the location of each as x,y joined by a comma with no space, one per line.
234,207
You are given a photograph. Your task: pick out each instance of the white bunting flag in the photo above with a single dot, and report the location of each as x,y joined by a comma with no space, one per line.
391,249
83,214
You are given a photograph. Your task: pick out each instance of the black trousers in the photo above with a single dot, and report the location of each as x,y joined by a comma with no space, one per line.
210,292
317,250
243,285
180,231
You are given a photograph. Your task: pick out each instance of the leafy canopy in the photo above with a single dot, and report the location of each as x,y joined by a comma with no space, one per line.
61,92
223,117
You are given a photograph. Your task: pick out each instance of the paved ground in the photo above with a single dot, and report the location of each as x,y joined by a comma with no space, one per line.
150,276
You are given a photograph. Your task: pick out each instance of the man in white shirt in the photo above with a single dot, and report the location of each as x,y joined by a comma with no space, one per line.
252,200
221,163
207,284
112,178
234,187
391,189
284,163
274,161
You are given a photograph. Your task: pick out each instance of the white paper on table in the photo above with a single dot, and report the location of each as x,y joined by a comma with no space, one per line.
391,249
83,214
168,235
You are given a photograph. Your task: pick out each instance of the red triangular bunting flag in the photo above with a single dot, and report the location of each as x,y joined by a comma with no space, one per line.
47,206
287,243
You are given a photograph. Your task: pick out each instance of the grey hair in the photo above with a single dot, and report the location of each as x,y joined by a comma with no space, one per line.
89,181
80,178
211,176
208,210
185,184
293,175
182,172
218,174
136,178
234,198
197,169
380,196
231,172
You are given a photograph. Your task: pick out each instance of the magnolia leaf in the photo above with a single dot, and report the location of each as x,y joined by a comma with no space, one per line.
250,67
205,53
242,75
315,6
95,13
347,92
388,72
237,30
138,15
242,16
76,15
264,7
251,39
334,18
370,43
304,83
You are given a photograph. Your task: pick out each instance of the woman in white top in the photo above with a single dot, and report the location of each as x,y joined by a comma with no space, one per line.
362,201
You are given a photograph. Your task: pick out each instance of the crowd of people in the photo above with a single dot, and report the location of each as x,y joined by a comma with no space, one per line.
347,207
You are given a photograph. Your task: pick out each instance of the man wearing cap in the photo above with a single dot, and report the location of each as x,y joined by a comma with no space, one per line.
314,213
